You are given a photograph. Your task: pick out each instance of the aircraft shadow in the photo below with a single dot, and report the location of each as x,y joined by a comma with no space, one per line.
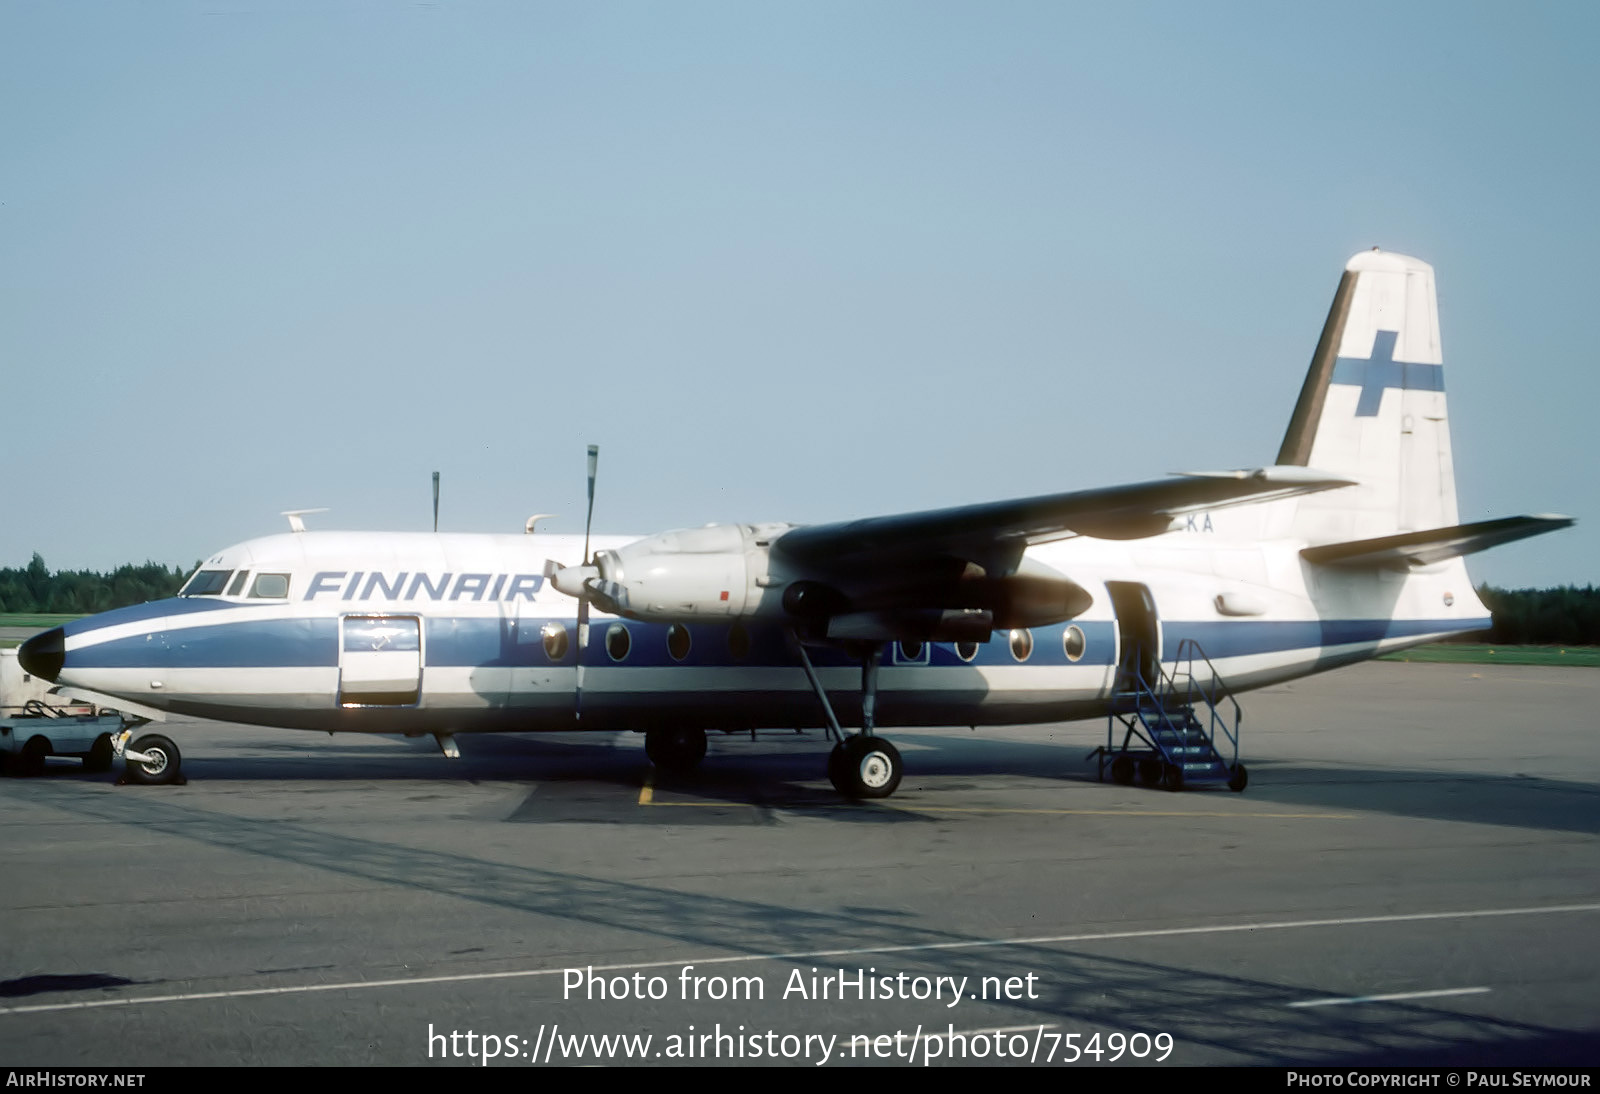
578,778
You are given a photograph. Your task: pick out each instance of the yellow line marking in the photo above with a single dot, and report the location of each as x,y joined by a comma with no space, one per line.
647,792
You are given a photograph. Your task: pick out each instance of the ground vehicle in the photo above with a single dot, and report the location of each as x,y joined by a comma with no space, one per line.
36,723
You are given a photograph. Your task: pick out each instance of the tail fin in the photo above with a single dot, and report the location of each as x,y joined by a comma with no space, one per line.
1373,408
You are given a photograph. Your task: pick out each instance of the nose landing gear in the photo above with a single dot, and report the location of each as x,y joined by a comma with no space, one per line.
152,760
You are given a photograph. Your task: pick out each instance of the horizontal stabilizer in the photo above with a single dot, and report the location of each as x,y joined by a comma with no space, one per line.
1411,549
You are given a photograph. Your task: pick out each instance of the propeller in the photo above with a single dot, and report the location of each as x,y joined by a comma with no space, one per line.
574,580
583,582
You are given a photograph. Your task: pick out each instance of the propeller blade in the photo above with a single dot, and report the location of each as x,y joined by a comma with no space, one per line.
436,501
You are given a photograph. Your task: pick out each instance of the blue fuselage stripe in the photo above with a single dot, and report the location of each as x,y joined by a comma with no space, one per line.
489,642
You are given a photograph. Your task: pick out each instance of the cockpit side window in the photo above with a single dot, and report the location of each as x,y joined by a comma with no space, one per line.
206,583
238,583
270,587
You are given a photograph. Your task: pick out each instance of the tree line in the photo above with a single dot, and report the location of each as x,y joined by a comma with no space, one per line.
34,588
1563,616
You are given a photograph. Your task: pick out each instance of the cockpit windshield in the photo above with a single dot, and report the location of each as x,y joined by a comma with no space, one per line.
206,583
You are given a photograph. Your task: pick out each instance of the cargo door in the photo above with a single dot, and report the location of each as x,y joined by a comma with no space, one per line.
380,661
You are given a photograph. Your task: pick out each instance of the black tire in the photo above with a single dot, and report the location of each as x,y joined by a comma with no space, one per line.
30,761
100,755
867,767
675,750
1122,770
1174,777
1238,778
161,768
1150,771
836,763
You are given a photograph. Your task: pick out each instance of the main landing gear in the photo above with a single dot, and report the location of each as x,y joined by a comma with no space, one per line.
675,750
861,765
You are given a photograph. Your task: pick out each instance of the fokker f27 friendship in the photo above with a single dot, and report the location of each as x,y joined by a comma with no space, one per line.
1040,609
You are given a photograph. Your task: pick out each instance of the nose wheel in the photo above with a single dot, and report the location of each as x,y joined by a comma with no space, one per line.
152,760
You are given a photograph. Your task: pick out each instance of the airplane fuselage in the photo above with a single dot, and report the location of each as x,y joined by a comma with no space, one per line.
390,633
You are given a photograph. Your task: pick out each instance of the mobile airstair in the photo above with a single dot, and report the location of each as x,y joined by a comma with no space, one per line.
1179,729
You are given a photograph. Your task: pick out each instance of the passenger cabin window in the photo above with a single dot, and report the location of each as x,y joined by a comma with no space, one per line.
678,641
270,587
238,583
555,640
1021,644
206,583
617,641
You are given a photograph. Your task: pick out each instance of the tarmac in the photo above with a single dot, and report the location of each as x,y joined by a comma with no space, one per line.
1411,877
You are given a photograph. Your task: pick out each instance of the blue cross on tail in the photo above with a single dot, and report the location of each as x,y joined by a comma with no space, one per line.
1381,371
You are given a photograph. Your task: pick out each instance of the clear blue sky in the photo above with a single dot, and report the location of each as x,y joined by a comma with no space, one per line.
803,262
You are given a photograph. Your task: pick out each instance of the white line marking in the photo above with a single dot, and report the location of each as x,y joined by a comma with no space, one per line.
1340,1001
807,955
986,1031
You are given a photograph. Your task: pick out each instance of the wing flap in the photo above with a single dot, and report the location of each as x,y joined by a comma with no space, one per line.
1412,549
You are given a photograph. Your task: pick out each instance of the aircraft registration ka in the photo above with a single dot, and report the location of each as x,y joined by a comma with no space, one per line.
1150,602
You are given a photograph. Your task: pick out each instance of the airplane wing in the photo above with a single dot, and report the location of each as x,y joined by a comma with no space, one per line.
943,574
1434,545
1004,528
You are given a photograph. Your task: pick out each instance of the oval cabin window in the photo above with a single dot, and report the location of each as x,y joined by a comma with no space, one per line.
618,641
1021,644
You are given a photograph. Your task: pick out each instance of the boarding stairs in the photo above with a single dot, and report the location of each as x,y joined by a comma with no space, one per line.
1179,729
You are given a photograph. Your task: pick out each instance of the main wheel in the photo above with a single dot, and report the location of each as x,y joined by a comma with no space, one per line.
1238,778
163,763
1174,777
100,754
1150,772
865,767
1122,770
31,762
836,762
675,749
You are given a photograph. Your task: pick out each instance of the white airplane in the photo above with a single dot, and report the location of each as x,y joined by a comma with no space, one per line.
1139,601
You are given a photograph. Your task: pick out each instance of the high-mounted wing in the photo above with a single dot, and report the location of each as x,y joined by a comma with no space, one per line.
1006,527
942,575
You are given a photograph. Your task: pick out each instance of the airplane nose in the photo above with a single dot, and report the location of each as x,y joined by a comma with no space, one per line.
43,654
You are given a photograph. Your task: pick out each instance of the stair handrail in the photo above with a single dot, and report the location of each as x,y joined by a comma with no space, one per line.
1215,692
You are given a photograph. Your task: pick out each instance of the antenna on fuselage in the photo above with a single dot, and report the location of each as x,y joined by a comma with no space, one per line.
436,501
294,515
594,463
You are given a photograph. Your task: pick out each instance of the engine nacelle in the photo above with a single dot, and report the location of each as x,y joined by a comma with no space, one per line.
691,573
1033,597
